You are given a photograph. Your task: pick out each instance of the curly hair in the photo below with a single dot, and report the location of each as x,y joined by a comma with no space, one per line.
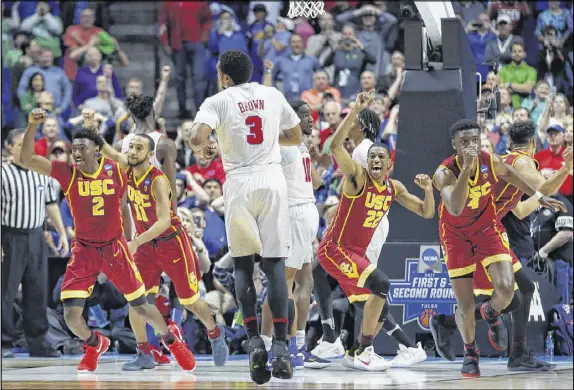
370,123
85,133
522,133
462,125
140,106
237,65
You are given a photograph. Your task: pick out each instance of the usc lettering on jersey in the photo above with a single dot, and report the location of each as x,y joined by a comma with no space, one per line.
143,204
358,216
506,195
95,200
480,210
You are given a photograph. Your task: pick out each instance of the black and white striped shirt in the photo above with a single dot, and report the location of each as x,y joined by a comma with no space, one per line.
25,195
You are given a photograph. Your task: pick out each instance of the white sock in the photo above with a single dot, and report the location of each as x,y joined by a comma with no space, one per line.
268,341
300,339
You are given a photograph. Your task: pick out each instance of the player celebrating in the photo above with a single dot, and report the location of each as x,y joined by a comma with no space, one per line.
470,231
507,198
251,121
161,244
367,196
96,190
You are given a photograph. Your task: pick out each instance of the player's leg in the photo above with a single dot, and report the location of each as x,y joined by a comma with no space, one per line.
267,316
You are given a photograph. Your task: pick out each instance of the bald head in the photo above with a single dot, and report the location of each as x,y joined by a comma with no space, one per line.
332,113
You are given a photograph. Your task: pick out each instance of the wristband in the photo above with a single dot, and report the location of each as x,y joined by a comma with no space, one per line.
537,195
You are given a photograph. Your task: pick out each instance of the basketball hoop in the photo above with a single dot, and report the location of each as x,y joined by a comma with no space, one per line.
308,9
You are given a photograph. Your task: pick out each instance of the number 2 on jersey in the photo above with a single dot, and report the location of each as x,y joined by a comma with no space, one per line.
255,124
307,166
98,206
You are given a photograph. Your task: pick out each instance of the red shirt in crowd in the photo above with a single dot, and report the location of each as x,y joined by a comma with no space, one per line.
213,171
41,147
548,160
184,21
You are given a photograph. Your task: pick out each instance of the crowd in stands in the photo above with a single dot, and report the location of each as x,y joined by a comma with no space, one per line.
61,58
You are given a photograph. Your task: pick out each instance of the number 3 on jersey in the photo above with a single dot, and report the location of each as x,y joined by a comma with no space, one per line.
255,124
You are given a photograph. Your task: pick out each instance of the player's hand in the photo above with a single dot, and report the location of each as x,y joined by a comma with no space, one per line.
423,181
552,204
567,155
37,116
469,155
63,247
132,247
211,150
165,72
364,99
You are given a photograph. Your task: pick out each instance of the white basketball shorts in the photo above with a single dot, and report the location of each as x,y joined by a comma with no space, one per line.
304,225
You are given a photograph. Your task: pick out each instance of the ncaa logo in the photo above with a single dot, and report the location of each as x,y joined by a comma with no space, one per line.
483,169
430,256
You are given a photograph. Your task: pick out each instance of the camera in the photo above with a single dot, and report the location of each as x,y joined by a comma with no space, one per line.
409,12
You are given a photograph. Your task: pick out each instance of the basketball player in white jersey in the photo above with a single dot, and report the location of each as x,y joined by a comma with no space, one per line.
302,178
251,121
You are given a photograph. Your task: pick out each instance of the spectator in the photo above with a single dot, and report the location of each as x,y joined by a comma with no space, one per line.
492,80
46,27
479,33
550,64
516,11
551,159
332,114
521,114
183,200
552,236
255,34
205,169
30,53
368,81
350,60
390,132
499,133
537,104
295,70
518,77
183,32
214,235
29,100
568,135
557,18
78,38
556,111
55,79
382,107
321,45
505,101
275,41
105,103
51,134
486,144
13,50
499,51
46,103
385,82
86,86
10,25
314,96
468,11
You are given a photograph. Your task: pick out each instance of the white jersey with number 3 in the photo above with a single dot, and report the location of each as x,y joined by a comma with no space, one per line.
296,164
248,119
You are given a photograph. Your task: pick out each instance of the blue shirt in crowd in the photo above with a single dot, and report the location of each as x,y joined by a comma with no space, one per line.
296,73
478,43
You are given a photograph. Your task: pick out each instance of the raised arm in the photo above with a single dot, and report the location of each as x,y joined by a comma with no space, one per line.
161,91
108,151
425,208
160,192
547,187
28,156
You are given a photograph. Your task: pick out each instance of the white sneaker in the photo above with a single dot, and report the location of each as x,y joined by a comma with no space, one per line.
326,350
370,361
406,357
348,361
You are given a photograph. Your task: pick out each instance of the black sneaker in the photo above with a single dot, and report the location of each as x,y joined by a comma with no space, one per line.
497,333
281,363
442,336
258,361
470,367
527,362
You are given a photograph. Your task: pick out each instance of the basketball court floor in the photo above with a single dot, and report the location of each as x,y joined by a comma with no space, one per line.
26,373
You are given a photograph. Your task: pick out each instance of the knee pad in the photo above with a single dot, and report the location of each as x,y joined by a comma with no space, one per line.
141,300
379,284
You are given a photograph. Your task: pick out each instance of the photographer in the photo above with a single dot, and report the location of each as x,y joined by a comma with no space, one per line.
550,64
479,33
499,51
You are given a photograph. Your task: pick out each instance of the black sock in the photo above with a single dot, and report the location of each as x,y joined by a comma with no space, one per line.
396,332
448,320
329,334
355,347
274,269
246,294
365,342
92,341
169,338
290,314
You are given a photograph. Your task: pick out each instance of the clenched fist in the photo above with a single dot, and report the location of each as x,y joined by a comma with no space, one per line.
37,116
165,72
423,181
89,117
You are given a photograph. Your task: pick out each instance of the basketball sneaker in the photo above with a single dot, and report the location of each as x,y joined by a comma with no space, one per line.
442,336
327,350
160,358
89,362
497,333
406,357
258,361
140,362
349,360
527,362
281,363
219,348
470,368
179,350
312,361
368,360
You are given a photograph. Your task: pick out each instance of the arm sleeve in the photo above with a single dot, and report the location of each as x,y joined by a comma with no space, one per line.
209,114
289,118
62,172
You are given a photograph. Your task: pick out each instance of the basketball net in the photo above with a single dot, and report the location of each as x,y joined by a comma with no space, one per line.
308,9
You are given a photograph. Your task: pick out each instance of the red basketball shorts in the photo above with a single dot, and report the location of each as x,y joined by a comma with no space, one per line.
176,258
481,280
350,269
113,259
464,248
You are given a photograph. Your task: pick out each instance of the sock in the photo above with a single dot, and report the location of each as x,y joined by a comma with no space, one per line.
215,333
152,338
92,341
365,342
470,348
168,338
489,313
268,341
328,326
300,335
251,326
401,337
280,328
354,347
145,348
176,316
277,294
290,314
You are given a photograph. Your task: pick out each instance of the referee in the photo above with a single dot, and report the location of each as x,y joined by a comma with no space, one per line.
26,199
